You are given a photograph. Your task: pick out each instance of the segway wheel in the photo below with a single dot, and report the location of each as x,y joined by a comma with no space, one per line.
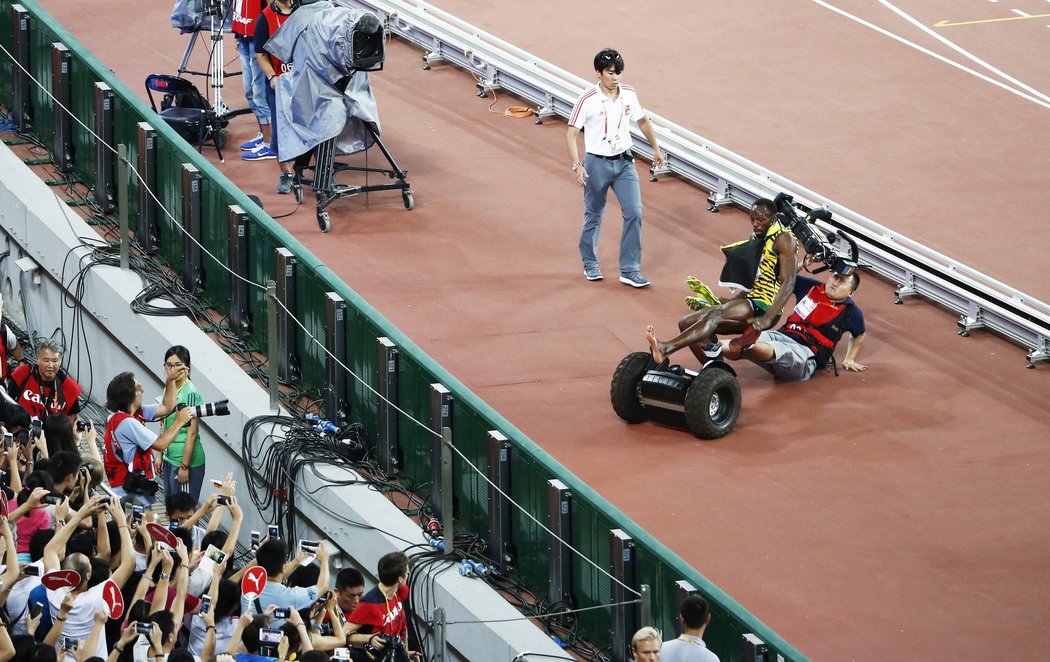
712,403
408,199
625,381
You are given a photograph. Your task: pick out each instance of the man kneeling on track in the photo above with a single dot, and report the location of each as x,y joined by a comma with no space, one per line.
824,312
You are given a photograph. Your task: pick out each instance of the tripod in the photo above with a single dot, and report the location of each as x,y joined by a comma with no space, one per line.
217,16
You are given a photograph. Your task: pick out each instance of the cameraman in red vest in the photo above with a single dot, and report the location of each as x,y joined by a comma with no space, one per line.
129,444
46,388
824,312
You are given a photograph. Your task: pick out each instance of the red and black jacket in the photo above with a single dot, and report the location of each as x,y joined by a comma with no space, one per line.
823,326
116,465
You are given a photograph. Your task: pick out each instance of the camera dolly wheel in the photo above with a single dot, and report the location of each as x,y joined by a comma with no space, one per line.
625,382
408,199
324,221
712,403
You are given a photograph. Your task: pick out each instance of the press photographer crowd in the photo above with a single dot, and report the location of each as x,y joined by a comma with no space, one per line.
93,567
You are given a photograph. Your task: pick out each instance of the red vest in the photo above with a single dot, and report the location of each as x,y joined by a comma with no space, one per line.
31,396
275,21
823,324
116,465
244,14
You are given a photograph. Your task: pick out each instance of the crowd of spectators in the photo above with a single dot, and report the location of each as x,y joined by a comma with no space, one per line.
94,569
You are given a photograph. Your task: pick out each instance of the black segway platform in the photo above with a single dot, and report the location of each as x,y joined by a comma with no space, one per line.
706,403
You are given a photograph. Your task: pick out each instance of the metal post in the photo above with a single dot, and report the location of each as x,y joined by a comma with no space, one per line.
753,649
647,605
271,339
559,501
624,616
386,412
122,212
440,646
440,418
446,493
499,450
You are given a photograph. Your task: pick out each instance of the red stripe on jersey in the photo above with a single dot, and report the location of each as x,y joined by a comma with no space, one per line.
579,104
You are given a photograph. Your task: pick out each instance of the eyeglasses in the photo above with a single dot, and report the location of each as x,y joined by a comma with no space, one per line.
174,366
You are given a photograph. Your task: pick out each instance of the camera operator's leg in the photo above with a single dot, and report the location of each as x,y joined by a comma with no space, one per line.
782,356
726,318
254,92
599,178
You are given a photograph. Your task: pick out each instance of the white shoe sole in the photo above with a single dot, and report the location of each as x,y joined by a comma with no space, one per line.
628,281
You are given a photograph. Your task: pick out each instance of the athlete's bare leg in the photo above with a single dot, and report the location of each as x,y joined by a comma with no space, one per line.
730,317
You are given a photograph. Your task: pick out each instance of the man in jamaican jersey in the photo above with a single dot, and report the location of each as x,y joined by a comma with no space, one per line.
751,311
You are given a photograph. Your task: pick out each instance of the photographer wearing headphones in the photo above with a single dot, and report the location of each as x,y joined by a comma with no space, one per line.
822,314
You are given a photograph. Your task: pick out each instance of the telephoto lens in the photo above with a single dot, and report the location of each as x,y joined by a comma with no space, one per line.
219,408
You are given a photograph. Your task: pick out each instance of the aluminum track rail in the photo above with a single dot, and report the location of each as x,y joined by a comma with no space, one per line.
980,301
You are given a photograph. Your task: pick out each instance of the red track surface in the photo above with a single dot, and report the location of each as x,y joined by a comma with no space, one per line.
894,514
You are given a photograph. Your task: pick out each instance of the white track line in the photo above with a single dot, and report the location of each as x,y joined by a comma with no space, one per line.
1036,100
961,51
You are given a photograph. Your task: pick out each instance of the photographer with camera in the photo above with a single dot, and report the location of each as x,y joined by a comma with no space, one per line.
129,444
46,388
379,621
806,342
750,311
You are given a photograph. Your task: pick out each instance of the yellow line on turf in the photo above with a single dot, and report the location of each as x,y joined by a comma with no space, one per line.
948,24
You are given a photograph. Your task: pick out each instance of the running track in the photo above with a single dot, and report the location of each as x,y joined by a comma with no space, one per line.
894,514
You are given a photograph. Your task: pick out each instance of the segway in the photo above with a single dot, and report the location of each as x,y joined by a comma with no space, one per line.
707,403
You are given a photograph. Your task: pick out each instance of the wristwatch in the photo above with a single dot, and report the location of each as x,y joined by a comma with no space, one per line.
576,166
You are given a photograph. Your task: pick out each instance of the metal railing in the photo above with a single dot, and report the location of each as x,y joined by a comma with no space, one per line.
981,301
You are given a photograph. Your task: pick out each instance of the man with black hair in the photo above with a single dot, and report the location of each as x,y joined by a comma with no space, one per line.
64,468
349,587
272,556
694,615
750,311
46,388
604,114
250,637
823,314
382,610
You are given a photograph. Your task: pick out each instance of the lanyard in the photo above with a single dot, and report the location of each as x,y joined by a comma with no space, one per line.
607,100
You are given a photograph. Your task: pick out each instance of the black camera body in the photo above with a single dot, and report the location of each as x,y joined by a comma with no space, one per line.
817,244
393,650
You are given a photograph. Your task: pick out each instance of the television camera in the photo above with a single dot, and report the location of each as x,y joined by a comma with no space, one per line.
818,244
